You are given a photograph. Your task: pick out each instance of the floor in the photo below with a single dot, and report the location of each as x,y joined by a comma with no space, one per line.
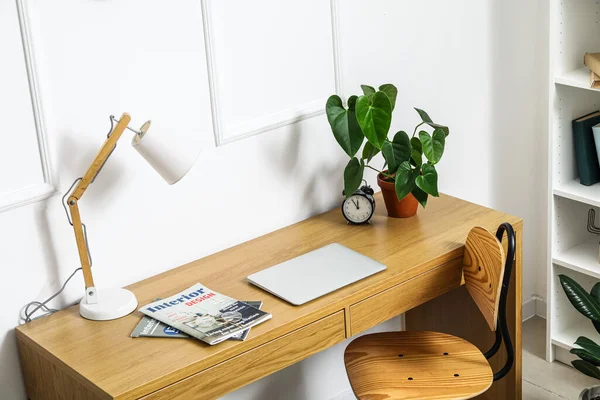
543,380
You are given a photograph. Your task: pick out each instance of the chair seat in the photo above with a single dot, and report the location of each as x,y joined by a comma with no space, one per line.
416,365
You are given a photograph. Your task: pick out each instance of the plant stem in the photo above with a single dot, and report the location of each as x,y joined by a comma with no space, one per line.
381,172
417,127
374,169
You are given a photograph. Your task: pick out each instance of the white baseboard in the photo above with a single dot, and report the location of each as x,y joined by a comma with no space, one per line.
528,309
540,307
536,305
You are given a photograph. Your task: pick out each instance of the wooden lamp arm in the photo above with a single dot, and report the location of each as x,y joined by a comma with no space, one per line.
101,157
92,171
84,256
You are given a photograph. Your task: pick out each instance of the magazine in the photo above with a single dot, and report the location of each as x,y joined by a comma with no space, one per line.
150,327
205,314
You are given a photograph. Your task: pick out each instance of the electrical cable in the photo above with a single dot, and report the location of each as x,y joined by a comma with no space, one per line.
41,305
29,315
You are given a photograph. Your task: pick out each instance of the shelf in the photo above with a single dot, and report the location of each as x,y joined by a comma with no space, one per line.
573,251
582,258
566,338
575,191
580,78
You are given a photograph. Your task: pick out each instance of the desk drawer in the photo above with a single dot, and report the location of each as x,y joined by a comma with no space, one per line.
257,363
403,297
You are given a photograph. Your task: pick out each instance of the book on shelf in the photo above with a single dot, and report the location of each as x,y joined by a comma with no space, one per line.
592,61
150,327
594,80
585,149
205,314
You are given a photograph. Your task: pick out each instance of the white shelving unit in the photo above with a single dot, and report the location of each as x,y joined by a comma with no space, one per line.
565,339
582,258
579,78
575,191
573,251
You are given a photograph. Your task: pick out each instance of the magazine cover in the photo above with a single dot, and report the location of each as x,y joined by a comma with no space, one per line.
150,327
205,314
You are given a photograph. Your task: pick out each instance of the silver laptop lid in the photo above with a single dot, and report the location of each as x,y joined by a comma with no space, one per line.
316,273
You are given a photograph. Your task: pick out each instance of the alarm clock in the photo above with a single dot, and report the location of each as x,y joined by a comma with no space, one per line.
360,207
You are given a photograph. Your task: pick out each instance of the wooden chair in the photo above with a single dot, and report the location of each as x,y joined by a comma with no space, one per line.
432,365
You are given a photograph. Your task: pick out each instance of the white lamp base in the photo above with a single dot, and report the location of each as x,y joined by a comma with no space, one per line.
112,304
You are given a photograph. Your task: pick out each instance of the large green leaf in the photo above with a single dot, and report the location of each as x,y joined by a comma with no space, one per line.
374,117
587,368
588,345
427,182
427,119
405,180
368,91
424,116
589,351
416,158
443,128
416,144
581,300
587,356
397,151
596,325
595,293
353,175
433,146
402,146
420,195
352,102
369,151
388,154
344,125
391,92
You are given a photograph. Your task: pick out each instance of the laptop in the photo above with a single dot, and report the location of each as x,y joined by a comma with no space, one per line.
316,273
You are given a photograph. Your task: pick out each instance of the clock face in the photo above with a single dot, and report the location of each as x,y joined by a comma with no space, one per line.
357,209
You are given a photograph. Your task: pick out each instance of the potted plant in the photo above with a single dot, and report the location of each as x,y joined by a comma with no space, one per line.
588,305
407,181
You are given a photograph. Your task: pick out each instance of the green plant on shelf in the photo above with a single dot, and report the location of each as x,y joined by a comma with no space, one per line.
588,305
370,116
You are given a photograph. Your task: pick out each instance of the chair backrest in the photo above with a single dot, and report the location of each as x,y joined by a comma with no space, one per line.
483,270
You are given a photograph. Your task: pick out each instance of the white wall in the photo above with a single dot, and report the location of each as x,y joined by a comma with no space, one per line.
27,154
471,64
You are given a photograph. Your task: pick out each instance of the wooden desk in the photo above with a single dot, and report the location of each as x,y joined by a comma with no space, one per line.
66,356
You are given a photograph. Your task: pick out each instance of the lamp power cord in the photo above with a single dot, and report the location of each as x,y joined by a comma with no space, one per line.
41,307
27,315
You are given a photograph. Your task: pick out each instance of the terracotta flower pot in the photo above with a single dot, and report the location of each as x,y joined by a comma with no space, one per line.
404,208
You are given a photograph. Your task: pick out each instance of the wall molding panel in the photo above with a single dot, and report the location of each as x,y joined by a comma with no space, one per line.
337,57
313,88
31,193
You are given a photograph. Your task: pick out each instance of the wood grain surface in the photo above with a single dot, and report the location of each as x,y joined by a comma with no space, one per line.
256,363
84,257
405,296
105,151
102,355
483,269
48,380
456,313
416,365
103,154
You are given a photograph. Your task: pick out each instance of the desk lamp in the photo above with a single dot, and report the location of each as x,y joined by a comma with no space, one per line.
107,304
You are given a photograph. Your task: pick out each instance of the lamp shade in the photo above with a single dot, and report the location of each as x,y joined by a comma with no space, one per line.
172,164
